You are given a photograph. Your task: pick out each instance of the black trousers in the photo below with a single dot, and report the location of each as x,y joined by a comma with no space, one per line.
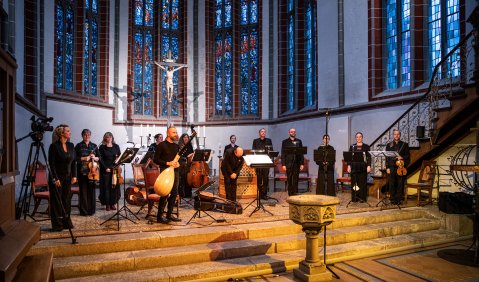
87,196
292,174
230,187
328,177
60,198
361,180
262,181
396,186
170,200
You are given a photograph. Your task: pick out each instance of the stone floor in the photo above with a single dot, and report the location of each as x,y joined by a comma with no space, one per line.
423,265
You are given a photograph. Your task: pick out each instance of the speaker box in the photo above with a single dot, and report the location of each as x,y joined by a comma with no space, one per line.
420,131
456,203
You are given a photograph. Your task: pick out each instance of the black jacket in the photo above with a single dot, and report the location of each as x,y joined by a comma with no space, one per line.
231,163
227,147
62,164
259,144
402,148
360,166
289,160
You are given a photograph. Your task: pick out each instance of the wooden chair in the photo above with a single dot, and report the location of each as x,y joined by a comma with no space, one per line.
345,176
425,183
75,190
280,174
139,181
40,189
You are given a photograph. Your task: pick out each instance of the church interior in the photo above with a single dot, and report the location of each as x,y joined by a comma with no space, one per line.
225,75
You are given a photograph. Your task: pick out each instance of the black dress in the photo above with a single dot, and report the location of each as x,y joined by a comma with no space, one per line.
326,173
109,195
359,173
87,197
63,168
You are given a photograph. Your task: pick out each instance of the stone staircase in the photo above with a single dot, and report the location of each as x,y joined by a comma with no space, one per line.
217,253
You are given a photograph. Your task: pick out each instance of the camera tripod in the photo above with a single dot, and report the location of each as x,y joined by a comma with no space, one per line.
29,175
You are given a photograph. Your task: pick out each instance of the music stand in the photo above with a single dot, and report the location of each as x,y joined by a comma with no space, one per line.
258,161
197,205
385,201
124,158
296,151
355,157
325,155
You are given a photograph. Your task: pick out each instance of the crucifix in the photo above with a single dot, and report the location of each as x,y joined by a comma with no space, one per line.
170,67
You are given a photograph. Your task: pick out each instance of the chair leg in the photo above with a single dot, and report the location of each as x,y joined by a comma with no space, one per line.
37,203
418,197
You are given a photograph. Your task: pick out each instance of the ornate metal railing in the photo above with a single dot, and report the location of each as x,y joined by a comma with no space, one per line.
449,77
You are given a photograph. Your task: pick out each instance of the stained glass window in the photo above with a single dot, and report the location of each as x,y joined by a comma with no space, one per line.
310,53
224,58
169,31
143,56
249,58
444,34
291,67
64,43
90,48
398,43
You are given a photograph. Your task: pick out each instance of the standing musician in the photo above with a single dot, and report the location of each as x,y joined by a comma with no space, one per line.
164,157
231,167
158,139
109,151
359,170
232,143
292,163
86,152
61,156
262,174
396,167
183,188
325,171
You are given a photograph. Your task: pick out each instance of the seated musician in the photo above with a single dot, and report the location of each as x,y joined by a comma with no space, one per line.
158,139
164,157
231,167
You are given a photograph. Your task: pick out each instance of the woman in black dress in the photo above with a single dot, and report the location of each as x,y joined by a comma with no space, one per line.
184,189
86,152
359,170
109,151
61,157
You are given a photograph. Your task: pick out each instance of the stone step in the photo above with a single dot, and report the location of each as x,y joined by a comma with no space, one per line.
192,236
75,266
263,264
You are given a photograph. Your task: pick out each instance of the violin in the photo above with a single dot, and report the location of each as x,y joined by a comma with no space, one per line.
401,170
94,171
117,177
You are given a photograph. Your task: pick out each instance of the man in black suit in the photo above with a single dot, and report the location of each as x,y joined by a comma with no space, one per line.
231,167
397,180
292,163
262,174
232,143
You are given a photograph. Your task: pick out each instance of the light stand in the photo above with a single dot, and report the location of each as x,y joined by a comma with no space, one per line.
124,158
324,253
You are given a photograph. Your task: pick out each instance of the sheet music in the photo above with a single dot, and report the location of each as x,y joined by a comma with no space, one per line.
257,159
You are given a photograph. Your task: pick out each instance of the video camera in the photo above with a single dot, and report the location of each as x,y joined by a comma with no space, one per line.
41,124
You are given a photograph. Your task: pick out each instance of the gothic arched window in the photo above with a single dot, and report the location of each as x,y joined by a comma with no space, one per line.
64,43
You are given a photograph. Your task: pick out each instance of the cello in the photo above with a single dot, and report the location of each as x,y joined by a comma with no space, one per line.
198,174
164,182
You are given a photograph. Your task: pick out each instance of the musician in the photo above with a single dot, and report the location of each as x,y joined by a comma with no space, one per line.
325,170
359,170
165,157
158,139
232,143
262,174
61,157
109,151
396,171
231,167
86,151
183,188
292,163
